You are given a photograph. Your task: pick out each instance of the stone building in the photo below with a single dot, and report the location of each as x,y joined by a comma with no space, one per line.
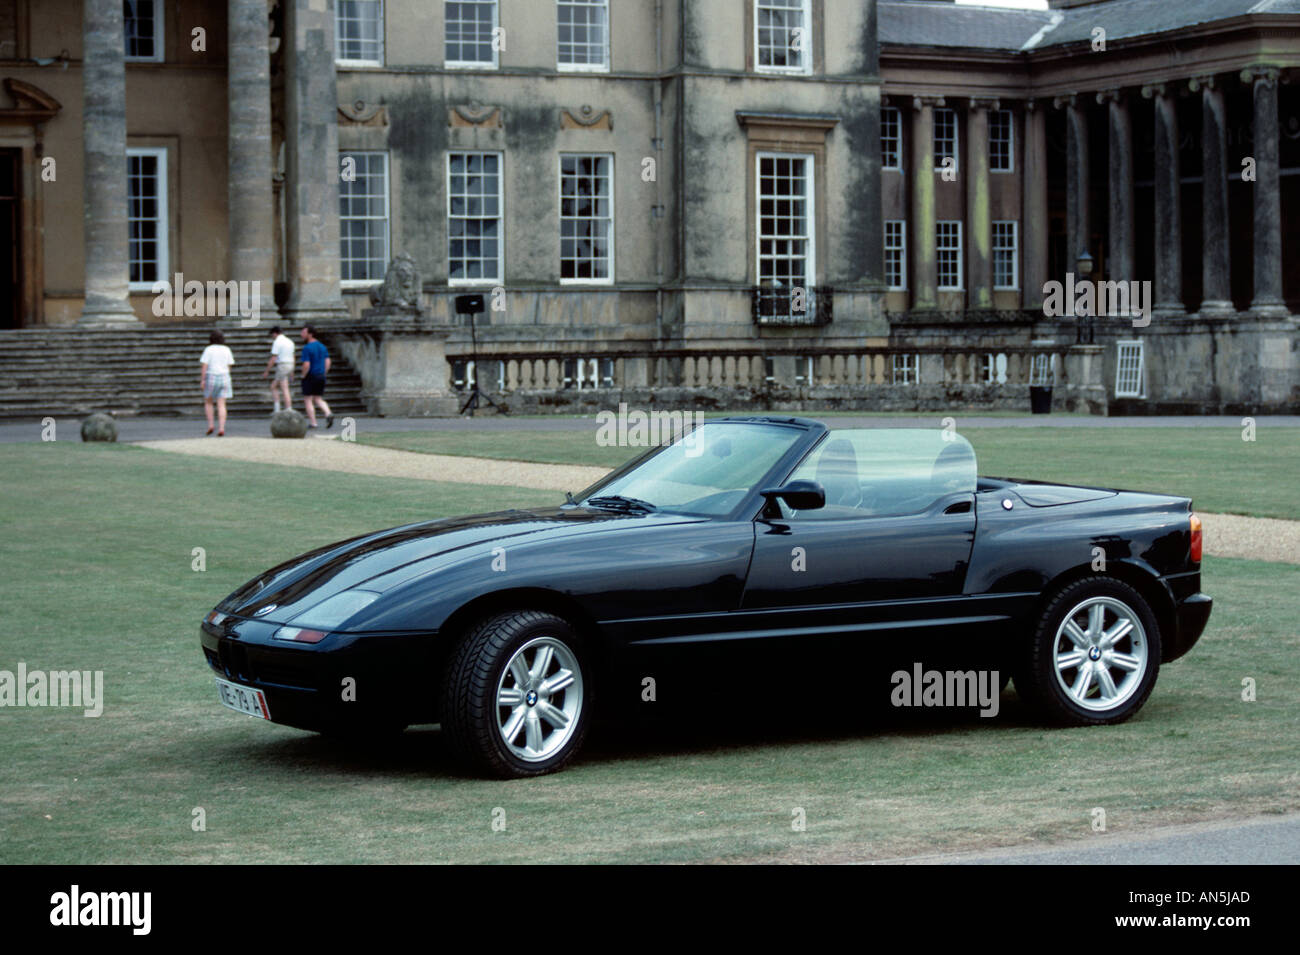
780,203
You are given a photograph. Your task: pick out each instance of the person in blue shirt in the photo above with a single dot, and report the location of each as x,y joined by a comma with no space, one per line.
315,366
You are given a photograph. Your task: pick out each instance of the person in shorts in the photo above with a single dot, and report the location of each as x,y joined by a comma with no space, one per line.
280,364
214,379
315,366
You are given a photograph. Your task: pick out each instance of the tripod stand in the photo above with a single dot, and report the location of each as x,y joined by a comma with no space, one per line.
472,305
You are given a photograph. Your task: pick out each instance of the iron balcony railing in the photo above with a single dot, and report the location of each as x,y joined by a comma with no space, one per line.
782,305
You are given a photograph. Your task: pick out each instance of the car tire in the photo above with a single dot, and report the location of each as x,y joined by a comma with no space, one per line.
517,695
1093,656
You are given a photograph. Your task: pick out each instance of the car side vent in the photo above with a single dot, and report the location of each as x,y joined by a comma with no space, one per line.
959,507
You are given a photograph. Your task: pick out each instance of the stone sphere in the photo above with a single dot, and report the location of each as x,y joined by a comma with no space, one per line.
99,427
288,424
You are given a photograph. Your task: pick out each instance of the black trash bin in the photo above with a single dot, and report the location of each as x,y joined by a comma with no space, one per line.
1040,399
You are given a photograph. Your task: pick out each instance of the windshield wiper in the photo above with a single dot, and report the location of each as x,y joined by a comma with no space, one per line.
618,502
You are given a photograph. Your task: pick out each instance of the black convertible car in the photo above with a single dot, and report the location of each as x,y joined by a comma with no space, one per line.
768,546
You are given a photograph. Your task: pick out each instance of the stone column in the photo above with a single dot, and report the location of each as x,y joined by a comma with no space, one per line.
1034,207
1119,266
1268,300
312,163
925,279
979,225
250,205
1078,228
1168,201
1216,263
104,188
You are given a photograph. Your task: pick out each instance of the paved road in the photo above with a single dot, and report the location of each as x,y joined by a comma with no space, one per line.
1264,840
161,429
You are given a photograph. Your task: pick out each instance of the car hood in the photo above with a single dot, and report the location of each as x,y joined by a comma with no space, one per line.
384,559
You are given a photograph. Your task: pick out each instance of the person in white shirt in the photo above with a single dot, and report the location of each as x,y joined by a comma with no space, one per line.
281,362
215,379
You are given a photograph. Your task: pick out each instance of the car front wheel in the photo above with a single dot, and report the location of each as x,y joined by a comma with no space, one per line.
1094,655
516,695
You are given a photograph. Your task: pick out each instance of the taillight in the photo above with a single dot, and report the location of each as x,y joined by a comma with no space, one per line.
1196,539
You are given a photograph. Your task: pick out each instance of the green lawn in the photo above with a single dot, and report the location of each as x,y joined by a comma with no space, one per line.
1214,466
97,564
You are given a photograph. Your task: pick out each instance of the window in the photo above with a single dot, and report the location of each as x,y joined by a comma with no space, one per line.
1002,141
463,377
474,234
1042,371
948,251
803,371
146,215
1130,377
891,138
142,23
896,254
879,472
907,369
1006,257
363,217
582,373
945,138
468,28
786,248
359,32
782,40
583,40
586,218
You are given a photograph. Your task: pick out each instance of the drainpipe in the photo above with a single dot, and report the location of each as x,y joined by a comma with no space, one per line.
656,214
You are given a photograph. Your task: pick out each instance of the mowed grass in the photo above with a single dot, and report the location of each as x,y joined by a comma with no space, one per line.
1214,466
97,564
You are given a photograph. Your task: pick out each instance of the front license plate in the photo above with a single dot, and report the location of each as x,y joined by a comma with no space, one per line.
243,698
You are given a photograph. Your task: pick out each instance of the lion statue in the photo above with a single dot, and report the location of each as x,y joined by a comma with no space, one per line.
401,285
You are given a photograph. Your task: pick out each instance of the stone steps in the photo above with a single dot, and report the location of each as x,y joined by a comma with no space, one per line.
151,371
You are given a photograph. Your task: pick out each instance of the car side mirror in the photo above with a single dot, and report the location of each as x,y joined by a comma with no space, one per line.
799,495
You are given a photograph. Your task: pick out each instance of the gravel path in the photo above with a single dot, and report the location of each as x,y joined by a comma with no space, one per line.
1226,535
331,454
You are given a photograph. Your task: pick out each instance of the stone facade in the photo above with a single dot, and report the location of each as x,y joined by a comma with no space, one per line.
744,192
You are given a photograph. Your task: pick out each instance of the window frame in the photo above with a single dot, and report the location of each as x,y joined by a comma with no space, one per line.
500,217
388,220
1140,346
910,369
613,219
163,263
340,61
956,139
495,62
1014,251
1011,141
606,66
805,67
959,255
158,33
902,255
810,225
897,115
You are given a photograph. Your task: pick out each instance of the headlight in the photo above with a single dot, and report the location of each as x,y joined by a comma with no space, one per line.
312,625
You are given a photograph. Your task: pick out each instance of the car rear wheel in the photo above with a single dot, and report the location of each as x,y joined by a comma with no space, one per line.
1094,655
516,695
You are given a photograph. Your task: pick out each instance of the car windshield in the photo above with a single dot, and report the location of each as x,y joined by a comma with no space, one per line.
708,471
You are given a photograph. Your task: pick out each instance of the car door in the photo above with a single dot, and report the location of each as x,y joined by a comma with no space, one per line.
889,551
